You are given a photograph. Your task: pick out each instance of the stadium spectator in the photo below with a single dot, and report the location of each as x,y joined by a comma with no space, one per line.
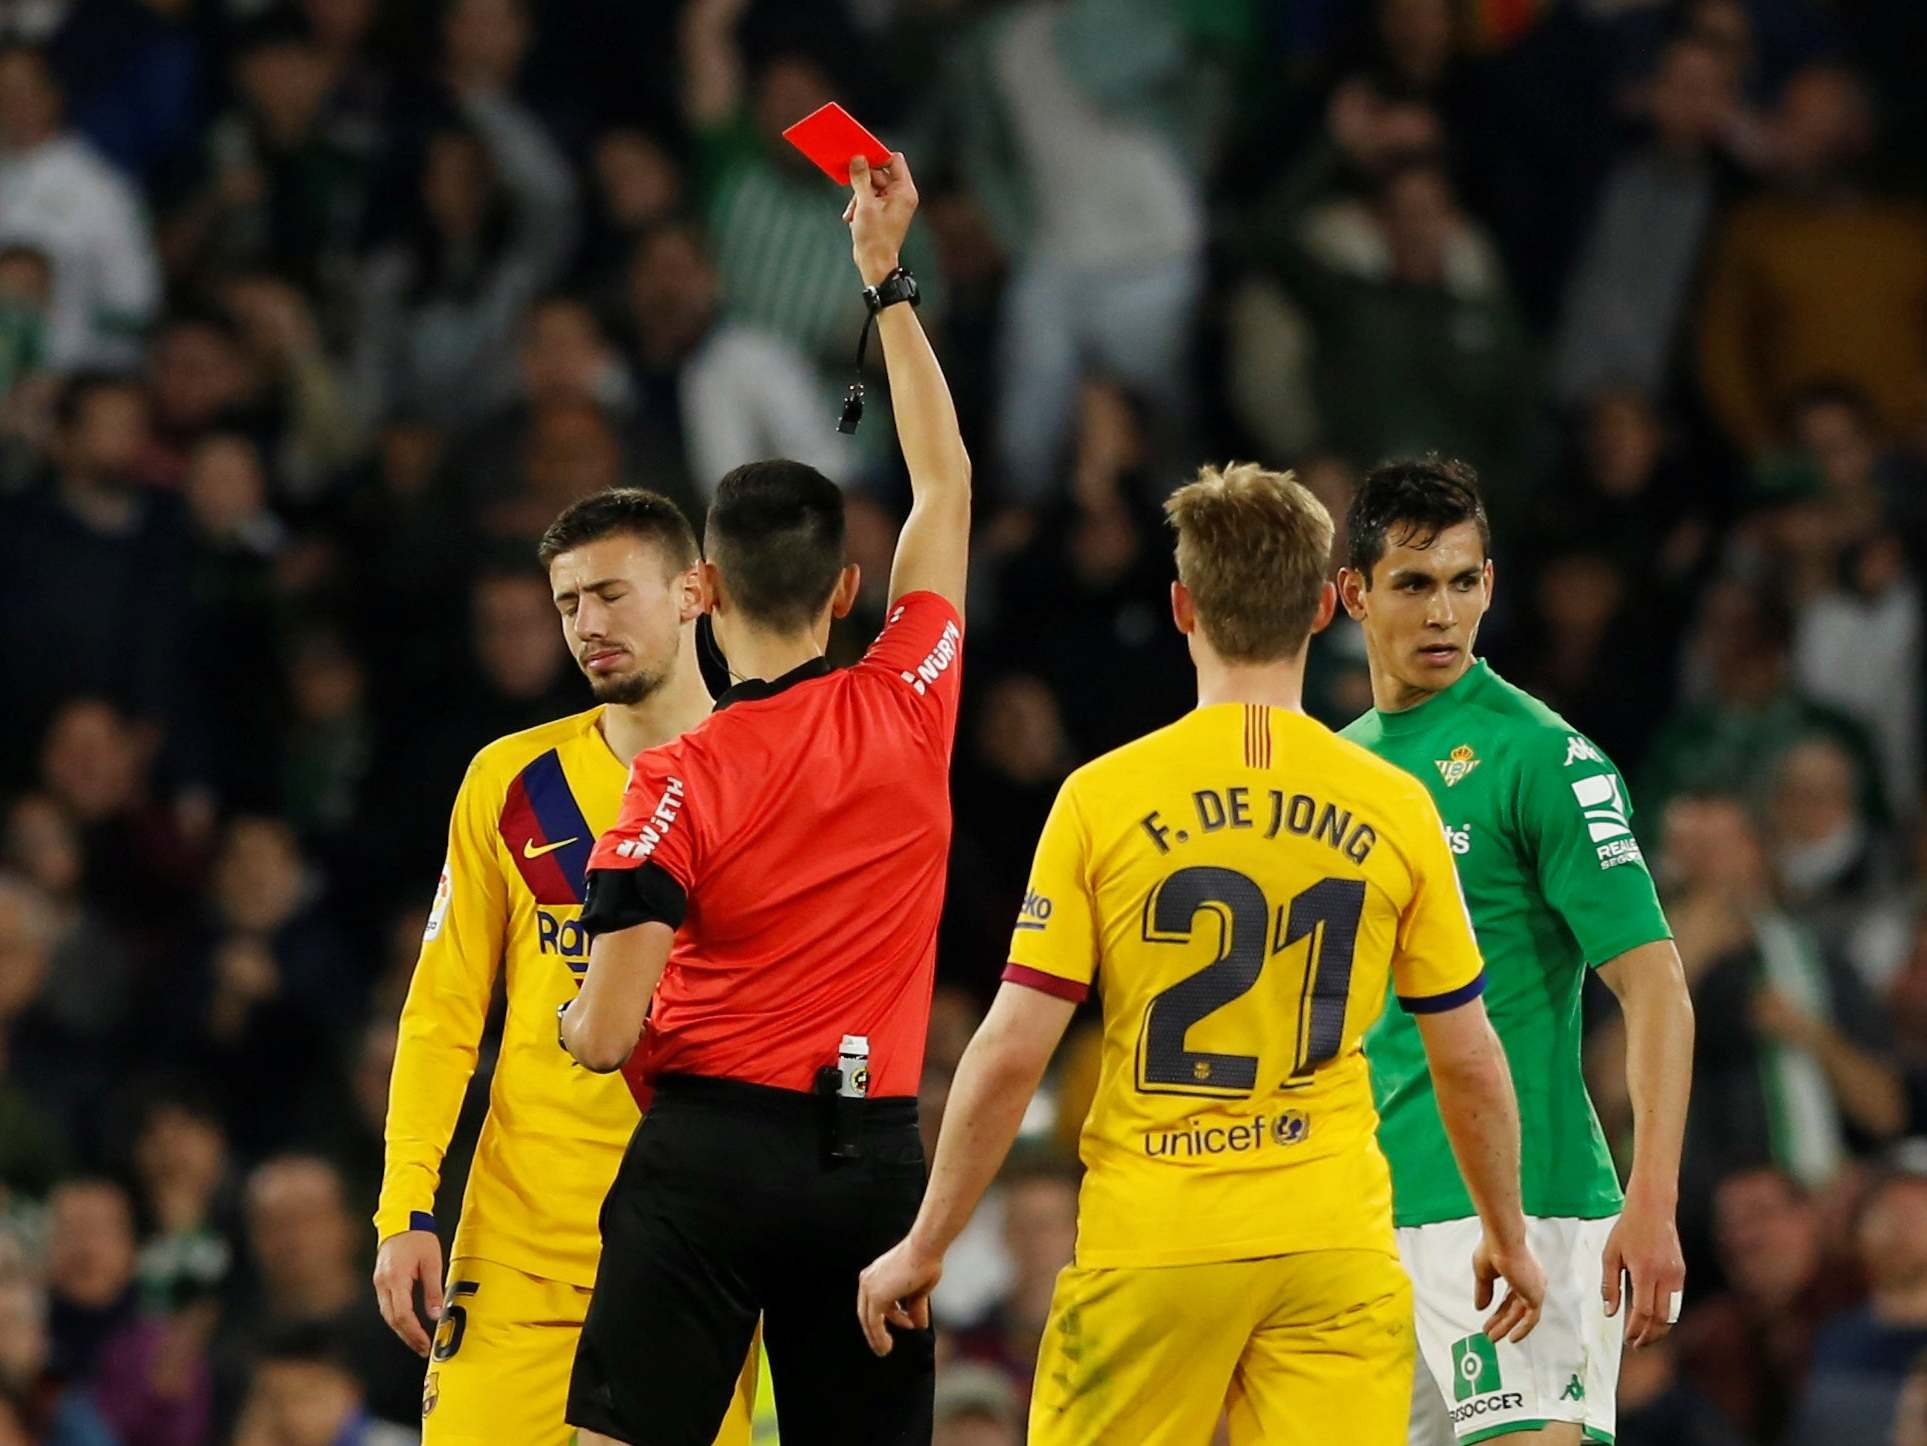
277,186
1861,1359
133,72
1771,325
144,858
976,1406
1748,1348
1632,286
1854,638
638,187
1018,755
91,531
36,1405
58,194
1039,1194
440,306
304,1392
1804,1070
1419,346
563,358
305,1250
38,1087
146,1374
89,974
1742,707
1095,563
1107,274
1658,1408
1832,868
730,391
181,1163
782,260
252,1011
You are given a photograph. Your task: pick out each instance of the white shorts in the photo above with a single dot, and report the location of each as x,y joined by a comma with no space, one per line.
1566,1370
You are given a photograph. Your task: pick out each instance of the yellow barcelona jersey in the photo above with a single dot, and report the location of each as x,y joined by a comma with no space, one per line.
509,903
1239,887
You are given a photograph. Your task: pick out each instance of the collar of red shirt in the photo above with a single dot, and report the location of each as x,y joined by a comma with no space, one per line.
751,689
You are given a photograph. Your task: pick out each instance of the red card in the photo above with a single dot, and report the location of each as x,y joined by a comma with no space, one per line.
829,136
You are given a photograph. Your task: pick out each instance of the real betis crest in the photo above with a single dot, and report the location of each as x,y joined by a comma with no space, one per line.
1461,762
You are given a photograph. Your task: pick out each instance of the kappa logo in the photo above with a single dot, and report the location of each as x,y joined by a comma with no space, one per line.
1457,764
1575,1389
1578,750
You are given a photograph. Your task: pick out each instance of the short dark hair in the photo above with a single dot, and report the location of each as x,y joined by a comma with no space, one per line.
775,530
25,251
632,510
305,1342
1416,497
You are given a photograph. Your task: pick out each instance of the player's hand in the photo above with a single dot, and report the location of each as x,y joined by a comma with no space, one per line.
1644,1245
895,1291
1525,1294
881,205
404,1258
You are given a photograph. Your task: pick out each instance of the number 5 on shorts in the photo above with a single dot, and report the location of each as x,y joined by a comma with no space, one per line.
448,1339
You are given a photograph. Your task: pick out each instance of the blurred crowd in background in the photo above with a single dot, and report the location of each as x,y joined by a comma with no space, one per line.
312,314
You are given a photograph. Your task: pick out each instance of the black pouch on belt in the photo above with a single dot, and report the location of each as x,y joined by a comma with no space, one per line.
841,1116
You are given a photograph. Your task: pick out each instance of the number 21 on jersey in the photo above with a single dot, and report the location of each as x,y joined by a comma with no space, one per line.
1324,918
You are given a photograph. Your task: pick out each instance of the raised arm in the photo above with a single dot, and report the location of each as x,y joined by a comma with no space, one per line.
933,550
712,62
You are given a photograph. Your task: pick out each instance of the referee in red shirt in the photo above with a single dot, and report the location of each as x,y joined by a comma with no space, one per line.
791,849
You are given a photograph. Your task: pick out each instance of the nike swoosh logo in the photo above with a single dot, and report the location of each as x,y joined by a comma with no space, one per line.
530,851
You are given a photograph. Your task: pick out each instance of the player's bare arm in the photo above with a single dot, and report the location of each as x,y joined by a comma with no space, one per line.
933,549
995,1081
1651,986
601,1027
1481,1118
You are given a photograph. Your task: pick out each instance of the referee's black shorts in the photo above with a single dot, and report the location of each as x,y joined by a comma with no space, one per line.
727,1207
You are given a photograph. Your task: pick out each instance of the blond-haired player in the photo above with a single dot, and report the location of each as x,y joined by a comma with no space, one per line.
622,565
1238,886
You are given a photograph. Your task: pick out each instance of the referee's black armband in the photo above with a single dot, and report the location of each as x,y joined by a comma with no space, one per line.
624,898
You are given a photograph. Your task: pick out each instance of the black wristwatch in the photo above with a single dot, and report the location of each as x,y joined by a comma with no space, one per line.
899,285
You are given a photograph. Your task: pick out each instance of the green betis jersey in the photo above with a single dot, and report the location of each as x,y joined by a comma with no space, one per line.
1540,826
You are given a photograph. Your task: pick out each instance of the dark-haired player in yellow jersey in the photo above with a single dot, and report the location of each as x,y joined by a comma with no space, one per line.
622,567
1238,886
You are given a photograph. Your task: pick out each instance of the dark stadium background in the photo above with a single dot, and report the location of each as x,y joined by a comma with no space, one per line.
311,316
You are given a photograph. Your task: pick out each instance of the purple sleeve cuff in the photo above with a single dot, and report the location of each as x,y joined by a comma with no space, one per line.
1439,1003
